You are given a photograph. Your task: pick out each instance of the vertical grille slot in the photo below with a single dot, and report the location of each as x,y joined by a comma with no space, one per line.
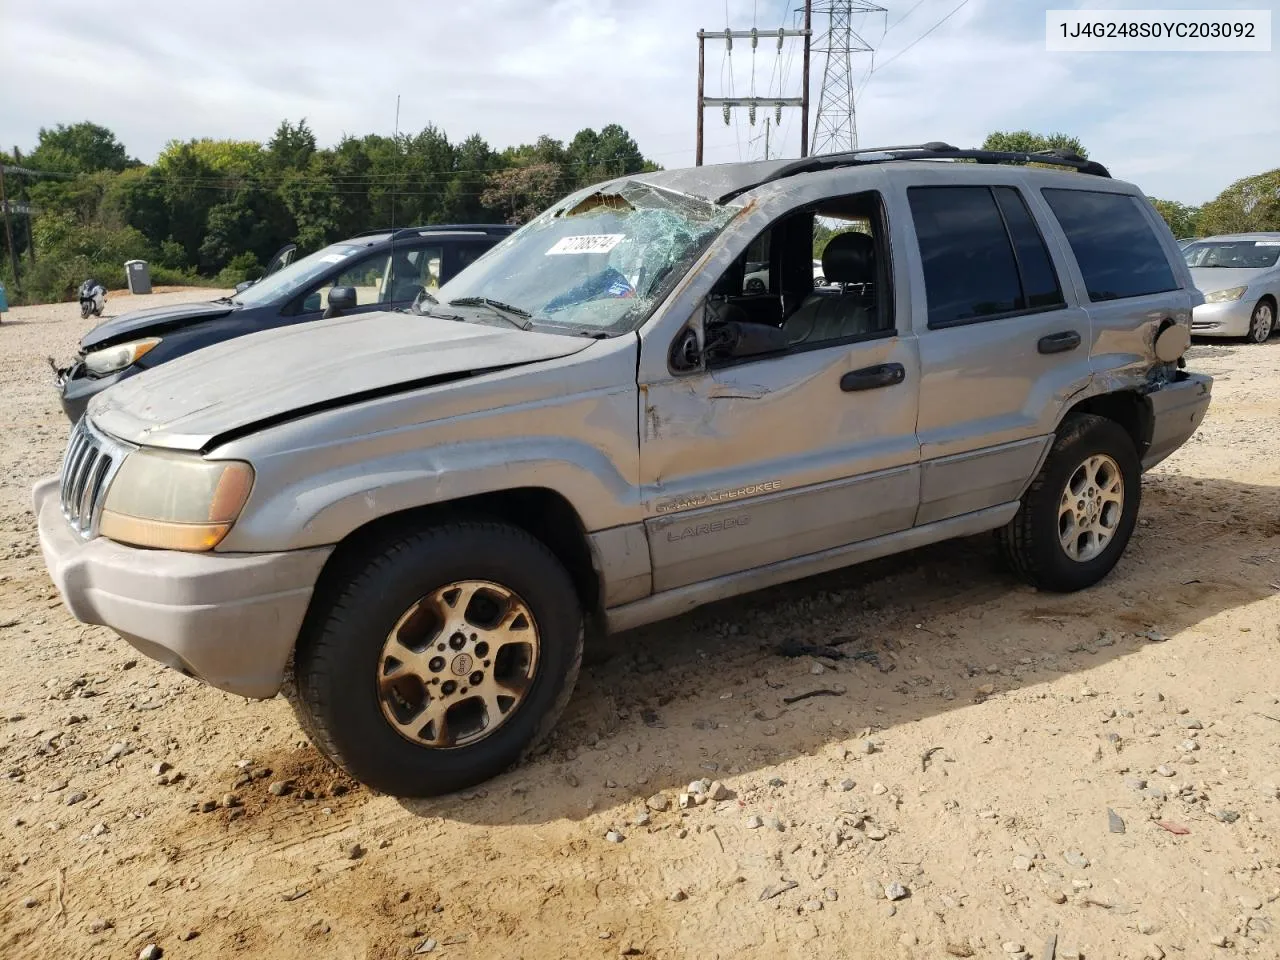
90,462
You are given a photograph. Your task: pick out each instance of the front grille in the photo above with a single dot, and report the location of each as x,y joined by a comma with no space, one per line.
87,469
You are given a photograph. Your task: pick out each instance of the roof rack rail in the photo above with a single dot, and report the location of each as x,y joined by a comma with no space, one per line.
401,232
933,150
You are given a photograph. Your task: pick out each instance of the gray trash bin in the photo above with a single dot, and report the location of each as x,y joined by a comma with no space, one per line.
138,275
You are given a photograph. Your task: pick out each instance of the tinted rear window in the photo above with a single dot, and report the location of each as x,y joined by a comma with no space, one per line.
1039,279
1118,252
969,268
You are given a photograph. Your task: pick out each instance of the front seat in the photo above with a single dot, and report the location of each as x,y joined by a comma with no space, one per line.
405,283
849,259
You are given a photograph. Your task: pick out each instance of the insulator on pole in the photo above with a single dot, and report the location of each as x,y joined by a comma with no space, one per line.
755,38
751,114
726,114
777,114
780,36
728,37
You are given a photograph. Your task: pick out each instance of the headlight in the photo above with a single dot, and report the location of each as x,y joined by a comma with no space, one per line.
1225,296
174,501
111,359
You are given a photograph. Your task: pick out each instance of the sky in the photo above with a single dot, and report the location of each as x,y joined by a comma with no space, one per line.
1181,125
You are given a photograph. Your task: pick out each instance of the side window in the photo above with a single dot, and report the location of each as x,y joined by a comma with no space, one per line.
412,271
970,272
815,277
368,276
1040,285
469,253
1118,252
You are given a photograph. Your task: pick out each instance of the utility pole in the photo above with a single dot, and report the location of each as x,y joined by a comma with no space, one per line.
728,103
702,104
804,107
31,237
835,129
8,232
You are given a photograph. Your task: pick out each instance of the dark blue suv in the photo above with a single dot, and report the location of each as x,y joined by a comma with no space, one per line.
378,270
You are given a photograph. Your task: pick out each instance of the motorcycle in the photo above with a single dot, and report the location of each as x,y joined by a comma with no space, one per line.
93,297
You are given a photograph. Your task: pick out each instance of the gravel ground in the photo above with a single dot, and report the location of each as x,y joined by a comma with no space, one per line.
994,772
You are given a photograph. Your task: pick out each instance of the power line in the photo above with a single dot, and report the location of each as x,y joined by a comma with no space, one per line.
961,5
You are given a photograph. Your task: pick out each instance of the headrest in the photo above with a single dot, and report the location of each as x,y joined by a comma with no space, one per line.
850,258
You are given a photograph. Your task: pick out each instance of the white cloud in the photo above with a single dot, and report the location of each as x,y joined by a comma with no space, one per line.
1182,126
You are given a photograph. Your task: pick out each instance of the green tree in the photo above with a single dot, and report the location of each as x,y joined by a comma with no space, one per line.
1250,204
1024,141
522,192
291,147
79,148
1181,218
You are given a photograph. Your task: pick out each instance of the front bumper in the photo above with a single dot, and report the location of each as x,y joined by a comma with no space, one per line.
76,388
1177,410
1229,319
227,619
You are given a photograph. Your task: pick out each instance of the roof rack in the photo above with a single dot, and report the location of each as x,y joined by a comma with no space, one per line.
399,233
933,150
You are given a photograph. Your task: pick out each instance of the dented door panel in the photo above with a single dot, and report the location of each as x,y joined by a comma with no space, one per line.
767,460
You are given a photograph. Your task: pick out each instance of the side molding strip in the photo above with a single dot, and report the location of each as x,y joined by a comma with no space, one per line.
672,603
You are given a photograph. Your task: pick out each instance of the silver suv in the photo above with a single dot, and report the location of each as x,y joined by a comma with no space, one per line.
419,515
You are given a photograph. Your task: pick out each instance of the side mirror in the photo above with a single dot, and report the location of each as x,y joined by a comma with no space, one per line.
244,285
732,340
340,299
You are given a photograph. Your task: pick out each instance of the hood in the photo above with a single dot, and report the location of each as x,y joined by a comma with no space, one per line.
145,323
274,374
1209,279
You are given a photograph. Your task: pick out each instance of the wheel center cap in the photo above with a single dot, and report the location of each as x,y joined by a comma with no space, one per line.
461,665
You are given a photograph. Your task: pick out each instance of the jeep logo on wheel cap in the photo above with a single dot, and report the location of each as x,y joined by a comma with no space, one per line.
461,665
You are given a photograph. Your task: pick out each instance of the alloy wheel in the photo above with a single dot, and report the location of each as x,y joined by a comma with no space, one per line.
1090,508
458,664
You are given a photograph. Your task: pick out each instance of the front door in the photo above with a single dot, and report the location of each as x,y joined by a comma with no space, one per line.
752,460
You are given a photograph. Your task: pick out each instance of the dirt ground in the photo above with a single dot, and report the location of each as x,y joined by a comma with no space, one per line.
991,768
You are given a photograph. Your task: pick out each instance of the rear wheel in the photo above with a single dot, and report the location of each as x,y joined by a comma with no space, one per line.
1076,519
442,660
1263,322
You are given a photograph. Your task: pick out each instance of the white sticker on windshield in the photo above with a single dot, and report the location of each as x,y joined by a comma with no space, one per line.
1266,243
333,258
588,243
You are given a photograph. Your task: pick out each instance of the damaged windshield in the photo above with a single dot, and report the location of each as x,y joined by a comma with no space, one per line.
598,263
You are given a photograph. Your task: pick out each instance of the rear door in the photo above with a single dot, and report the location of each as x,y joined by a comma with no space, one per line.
1003,347
1128,270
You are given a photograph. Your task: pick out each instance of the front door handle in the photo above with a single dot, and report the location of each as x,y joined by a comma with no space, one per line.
869,378
1059,342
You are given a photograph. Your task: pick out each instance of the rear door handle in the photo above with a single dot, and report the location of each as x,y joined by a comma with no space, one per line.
1059,342
869,378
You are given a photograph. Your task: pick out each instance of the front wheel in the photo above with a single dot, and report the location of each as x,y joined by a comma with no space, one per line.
84,311
1076,518
444,657
1263,322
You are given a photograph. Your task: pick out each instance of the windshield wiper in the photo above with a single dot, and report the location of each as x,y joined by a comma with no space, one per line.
224,300
513,315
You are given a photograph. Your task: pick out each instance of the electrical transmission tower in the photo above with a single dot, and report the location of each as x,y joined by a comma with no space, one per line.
835,129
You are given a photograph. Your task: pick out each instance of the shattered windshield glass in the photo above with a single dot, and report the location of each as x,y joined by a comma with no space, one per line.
597,264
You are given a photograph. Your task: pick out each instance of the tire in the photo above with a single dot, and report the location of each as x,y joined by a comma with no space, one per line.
351,688
1033,541
84,311
1262,324
755,287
